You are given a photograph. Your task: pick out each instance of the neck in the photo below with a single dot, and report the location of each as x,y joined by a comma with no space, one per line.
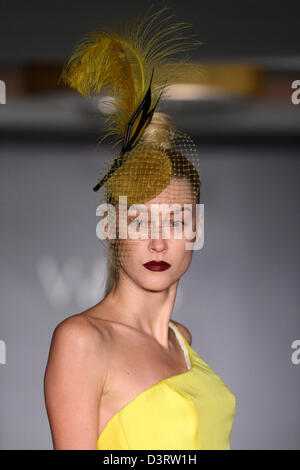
145,310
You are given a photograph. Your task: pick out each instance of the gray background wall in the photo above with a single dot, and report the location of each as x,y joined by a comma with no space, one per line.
239,298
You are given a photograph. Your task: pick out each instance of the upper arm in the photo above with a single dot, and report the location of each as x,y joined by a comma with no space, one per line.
185,331
73,384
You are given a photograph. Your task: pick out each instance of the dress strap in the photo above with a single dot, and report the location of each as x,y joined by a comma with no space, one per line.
182,344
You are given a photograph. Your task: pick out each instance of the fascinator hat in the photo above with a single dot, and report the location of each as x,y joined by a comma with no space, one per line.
135,63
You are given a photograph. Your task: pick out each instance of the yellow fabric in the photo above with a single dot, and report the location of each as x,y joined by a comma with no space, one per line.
187,411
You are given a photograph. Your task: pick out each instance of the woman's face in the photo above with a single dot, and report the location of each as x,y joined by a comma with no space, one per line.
134,253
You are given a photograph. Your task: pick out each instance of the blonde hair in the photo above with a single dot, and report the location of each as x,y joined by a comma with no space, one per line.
111,274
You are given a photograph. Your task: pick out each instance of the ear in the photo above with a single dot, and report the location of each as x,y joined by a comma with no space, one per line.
110,237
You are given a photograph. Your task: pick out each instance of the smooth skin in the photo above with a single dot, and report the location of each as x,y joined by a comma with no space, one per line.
104,357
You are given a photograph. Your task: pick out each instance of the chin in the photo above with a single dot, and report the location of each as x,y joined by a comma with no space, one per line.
155,288
157,282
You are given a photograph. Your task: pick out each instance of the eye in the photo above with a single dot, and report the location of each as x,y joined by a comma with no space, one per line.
176,223
137,222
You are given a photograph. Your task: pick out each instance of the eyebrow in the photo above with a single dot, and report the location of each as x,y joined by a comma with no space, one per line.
171,212
182,209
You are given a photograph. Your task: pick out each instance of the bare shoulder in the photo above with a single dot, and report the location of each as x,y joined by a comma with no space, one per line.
78,330
184,330
78,338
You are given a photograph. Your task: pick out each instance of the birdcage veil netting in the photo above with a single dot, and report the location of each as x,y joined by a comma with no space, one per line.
162,170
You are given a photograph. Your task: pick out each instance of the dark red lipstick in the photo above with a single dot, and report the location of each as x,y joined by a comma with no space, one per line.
157,265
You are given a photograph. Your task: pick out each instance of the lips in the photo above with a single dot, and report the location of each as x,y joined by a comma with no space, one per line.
157,265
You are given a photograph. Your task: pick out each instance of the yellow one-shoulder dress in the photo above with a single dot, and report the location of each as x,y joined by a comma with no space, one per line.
187,411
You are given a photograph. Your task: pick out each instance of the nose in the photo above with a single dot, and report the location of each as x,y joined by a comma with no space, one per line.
158,244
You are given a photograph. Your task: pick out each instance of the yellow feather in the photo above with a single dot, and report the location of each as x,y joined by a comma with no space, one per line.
122,59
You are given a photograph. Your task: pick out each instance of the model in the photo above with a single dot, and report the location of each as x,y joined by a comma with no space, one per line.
122,375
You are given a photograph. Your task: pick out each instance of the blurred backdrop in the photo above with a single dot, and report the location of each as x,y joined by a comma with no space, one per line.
240,296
